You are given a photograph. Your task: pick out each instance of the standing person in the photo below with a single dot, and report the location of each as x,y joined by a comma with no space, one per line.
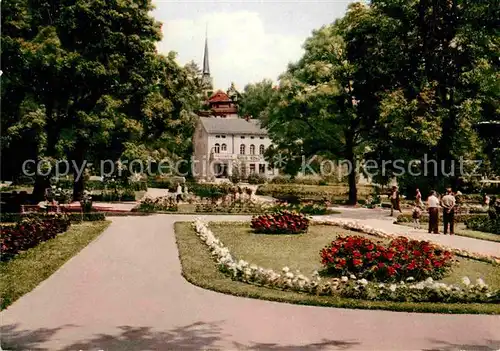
179,193
433,208
448,202
416,214
395,205
418,198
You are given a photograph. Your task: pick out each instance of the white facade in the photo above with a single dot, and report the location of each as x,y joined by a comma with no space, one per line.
217,153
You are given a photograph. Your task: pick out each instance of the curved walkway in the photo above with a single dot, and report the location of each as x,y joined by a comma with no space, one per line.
125,292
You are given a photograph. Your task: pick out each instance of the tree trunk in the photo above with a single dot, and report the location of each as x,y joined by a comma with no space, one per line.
41,184
353,190
79,181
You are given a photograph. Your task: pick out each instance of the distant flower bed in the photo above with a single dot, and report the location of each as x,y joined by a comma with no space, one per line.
401,259
29,232
163,203
283,222
232,206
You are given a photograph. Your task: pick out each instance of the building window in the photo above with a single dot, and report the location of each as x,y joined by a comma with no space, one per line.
251,137
262,168
252,168
223,136
217,136
242,137
223,147
217,148
261,149
262,137
252,149
242,149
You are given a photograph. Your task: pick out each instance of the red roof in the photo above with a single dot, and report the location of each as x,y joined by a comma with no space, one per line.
219,96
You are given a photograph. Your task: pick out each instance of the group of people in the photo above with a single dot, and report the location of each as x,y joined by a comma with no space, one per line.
448,203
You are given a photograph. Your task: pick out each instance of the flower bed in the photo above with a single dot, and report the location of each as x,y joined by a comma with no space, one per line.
401,259
283,222
29,232
162,203
356,226
351,286
232,206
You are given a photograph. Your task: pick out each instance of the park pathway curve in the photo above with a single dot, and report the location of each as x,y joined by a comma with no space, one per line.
125,292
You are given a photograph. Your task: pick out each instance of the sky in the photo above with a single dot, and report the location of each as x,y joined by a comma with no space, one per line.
247,40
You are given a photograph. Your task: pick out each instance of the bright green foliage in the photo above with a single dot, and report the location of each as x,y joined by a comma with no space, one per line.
85,78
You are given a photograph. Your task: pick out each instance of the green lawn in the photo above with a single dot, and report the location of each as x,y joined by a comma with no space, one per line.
24,272
461,229
300,252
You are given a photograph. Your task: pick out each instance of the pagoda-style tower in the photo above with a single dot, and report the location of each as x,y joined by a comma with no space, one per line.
206,80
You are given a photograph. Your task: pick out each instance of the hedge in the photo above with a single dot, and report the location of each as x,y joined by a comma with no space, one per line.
73,217
484,224
102,185
459,218
309,192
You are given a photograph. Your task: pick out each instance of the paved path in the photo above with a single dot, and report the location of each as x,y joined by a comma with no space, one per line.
125,292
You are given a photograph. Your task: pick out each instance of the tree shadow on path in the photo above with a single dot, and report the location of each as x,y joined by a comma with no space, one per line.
488,345
195,336
317,346
14,339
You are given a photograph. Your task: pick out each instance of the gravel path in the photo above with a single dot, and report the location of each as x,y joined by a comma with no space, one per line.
125,292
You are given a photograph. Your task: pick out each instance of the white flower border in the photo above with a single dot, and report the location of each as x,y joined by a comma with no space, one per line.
345,286
356,226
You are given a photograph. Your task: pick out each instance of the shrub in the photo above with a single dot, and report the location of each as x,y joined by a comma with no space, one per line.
459,218
312,192
484,224
283,222
73,217
281,180
401,259
163,203
212,191
29,232
255,178
309,209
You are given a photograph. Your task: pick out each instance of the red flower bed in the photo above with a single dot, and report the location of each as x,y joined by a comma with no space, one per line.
30,232
401,259
283,222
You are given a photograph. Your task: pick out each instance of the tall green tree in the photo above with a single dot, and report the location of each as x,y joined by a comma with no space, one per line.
255,98
315,111
424,63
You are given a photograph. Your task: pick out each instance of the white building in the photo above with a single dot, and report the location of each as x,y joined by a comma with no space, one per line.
224,145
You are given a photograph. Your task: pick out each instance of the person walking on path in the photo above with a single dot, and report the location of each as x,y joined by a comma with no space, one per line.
416,214
418,197
395,205
433,208
448,202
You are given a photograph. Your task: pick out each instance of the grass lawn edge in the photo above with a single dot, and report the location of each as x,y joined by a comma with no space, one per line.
12,288
203,264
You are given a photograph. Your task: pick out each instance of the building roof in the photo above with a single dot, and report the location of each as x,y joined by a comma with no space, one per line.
219,96
232,126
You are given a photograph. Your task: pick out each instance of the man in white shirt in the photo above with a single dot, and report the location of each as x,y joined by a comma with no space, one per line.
433,208
448,202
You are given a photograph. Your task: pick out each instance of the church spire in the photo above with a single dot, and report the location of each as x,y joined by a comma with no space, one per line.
206,67
206,80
